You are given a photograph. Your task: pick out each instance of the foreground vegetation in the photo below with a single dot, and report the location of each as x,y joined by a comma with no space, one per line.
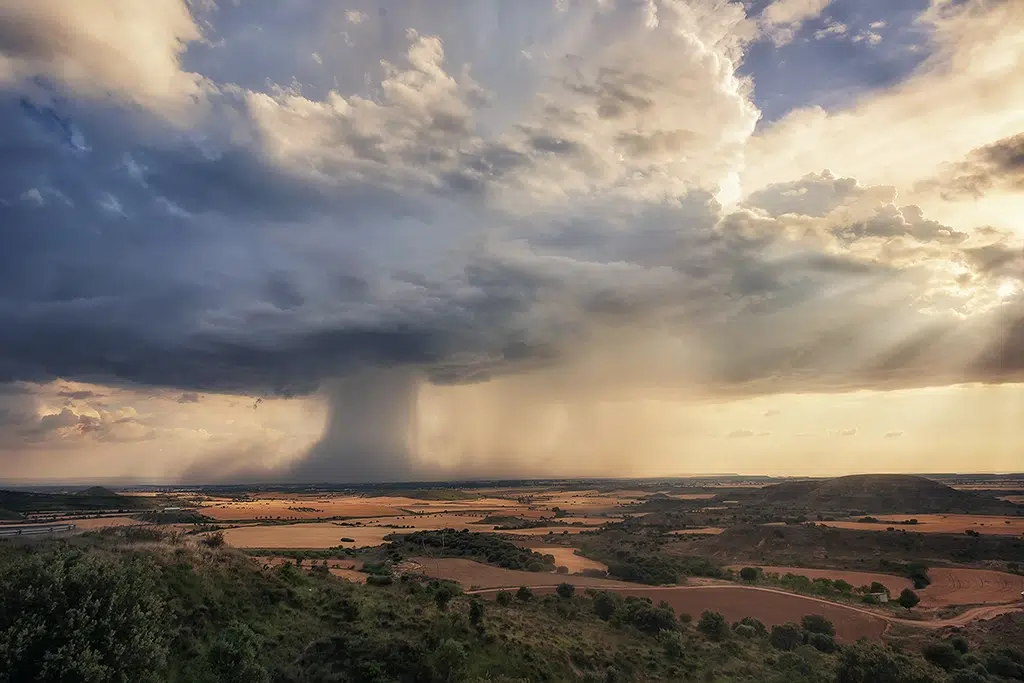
137,604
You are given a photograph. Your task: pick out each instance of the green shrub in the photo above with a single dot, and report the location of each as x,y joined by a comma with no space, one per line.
867,662
822,642
744,630
816,623
524,594
235,656
942,655
673,643
503,598
749,573
756,624
908,599
87,618
713,625
959,643
476,612
786,637
379,580
565,590
605,604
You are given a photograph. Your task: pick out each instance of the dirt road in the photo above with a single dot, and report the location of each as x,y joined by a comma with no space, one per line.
870,622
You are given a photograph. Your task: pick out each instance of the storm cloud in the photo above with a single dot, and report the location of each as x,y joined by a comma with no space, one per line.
450,209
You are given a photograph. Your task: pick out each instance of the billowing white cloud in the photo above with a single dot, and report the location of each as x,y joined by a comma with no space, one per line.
565,230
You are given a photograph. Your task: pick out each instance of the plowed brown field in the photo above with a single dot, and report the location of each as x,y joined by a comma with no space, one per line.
953,586
940,524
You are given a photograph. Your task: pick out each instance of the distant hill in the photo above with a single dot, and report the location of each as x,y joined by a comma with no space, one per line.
880,493
94,498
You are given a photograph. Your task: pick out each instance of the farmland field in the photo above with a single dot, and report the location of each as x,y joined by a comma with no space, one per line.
939,524
961,586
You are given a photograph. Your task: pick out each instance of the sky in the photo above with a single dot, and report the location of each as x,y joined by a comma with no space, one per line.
379,241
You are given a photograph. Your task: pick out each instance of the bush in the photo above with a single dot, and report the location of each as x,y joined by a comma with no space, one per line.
379,580
713,625
442,596
959,643
673,643
503,598
605,604
918,573
744,630
869,663
749,573
524,594
97,620
822,642
476,612
786,637
968,676
214,540
815,623
643,616
908,599
1005,662
756,624
942,655
235,656
565,590
449,661
561,570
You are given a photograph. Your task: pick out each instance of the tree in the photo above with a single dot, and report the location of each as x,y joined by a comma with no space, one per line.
565,590
942,655
713,625
749,573
756,625
524,594
605,603
786,637
68,616
476,612
816,623
449,661
869,663
959,643
822,642
503,598
442,597
908,598
235,656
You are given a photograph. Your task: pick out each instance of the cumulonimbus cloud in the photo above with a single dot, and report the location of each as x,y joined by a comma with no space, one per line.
547,204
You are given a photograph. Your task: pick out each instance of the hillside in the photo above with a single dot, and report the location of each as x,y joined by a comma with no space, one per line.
817,545
877,493
91,499
162,608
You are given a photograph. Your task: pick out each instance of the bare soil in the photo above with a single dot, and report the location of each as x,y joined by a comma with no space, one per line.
940,524
955,586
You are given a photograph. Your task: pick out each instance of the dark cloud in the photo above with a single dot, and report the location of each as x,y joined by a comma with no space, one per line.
79,395
995,167
281,241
